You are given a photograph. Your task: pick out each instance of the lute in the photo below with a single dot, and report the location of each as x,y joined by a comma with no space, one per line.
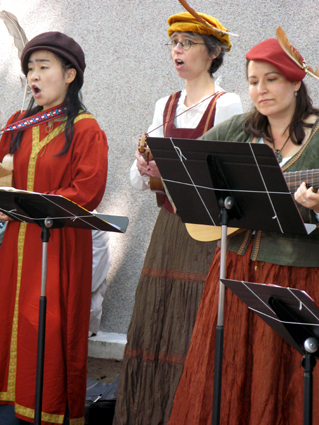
206,233
156,184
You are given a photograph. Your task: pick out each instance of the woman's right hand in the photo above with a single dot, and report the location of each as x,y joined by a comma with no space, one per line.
307,197
145,169
4,217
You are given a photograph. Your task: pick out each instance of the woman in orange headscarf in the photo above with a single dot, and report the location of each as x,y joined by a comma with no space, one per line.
176,266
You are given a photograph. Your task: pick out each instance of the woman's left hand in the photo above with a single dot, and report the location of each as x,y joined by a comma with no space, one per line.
4,217
307,197
146,169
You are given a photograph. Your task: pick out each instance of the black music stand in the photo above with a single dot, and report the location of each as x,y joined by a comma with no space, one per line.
51,212
229,184
294,316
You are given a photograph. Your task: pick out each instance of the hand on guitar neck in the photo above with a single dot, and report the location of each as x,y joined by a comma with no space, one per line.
308,197
146,169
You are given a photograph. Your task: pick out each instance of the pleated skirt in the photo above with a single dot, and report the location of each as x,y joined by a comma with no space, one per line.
166,304
262,376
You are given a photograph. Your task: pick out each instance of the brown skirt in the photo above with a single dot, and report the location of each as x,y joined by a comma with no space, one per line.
262,378
166,303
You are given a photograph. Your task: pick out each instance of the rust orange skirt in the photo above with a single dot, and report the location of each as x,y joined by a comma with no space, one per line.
262,375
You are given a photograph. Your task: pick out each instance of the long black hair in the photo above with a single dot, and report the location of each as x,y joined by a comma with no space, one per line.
257,124
73,103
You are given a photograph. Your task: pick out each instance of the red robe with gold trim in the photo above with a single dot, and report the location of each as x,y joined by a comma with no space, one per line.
79,175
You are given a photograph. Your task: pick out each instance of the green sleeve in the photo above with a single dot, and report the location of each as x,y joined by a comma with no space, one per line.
230,130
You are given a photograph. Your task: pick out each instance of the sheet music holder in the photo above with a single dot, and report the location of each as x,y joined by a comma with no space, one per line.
230,184
33,207
252,170
293,315
51,212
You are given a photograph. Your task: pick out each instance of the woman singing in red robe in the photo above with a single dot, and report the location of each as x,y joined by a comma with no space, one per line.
65,156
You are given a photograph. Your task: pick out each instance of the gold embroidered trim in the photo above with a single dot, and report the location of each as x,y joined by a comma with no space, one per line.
301,150
47,417
37,145
257,245
169,111
212,109
242,246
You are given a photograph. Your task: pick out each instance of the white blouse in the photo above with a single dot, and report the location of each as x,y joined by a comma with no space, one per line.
226,106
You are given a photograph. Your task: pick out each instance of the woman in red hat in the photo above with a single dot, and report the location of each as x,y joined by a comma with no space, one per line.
176,266
262,378
61,150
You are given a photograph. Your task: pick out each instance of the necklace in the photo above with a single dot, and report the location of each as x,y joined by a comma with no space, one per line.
278,151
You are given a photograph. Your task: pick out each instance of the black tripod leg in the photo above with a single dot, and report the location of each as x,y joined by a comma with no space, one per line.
308,363
218,374
40,361
45,236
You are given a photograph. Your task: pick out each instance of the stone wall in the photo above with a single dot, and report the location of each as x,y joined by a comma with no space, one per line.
128,69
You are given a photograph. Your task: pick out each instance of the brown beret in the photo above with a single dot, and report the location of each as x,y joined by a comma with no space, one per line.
270,51
59,43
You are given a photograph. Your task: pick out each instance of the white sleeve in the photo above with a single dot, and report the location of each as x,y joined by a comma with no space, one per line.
142,182
227,106
137,181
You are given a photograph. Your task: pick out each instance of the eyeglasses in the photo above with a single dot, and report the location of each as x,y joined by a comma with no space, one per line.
185,45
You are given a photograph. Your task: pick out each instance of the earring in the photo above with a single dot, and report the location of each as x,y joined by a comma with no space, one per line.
296,93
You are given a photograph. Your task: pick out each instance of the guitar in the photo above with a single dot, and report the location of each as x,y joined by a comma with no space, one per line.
156,184
206,233
6,171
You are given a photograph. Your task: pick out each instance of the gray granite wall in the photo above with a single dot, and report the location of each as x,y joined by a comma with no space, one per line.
128,69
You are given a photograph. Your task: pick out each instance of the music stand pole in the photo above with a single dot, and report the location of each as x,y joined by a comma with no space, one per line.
45,236
227,204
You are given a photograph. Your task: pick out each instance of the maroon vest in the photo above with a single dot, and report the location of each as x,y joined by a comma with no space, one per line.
206,122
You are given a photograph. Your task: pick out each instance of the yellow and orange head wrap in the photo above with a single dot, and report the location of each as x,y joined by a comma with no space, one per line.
185,22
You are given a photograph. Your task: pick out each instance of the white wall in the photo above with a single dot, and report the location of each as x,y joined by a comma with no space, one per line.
128,69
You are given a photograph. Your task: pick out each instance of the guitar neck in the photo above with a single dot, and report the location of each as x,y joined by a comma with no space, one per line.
295,178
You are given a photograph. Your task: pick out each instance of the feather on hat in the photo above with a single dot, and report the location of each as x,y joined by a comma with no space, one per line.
294,54
199,23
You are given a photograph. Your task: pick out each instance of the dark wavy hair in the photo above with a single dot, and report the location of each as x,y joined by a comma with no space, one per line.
73,102
216,48
257,124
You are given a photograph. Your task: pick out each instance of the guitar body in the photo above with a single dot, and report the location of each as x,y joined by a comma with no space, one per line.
156,184
205,233
6,171
293,179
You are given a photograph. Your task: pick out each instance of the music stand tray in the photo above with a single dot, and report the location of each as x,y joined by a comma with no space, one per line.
294,316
